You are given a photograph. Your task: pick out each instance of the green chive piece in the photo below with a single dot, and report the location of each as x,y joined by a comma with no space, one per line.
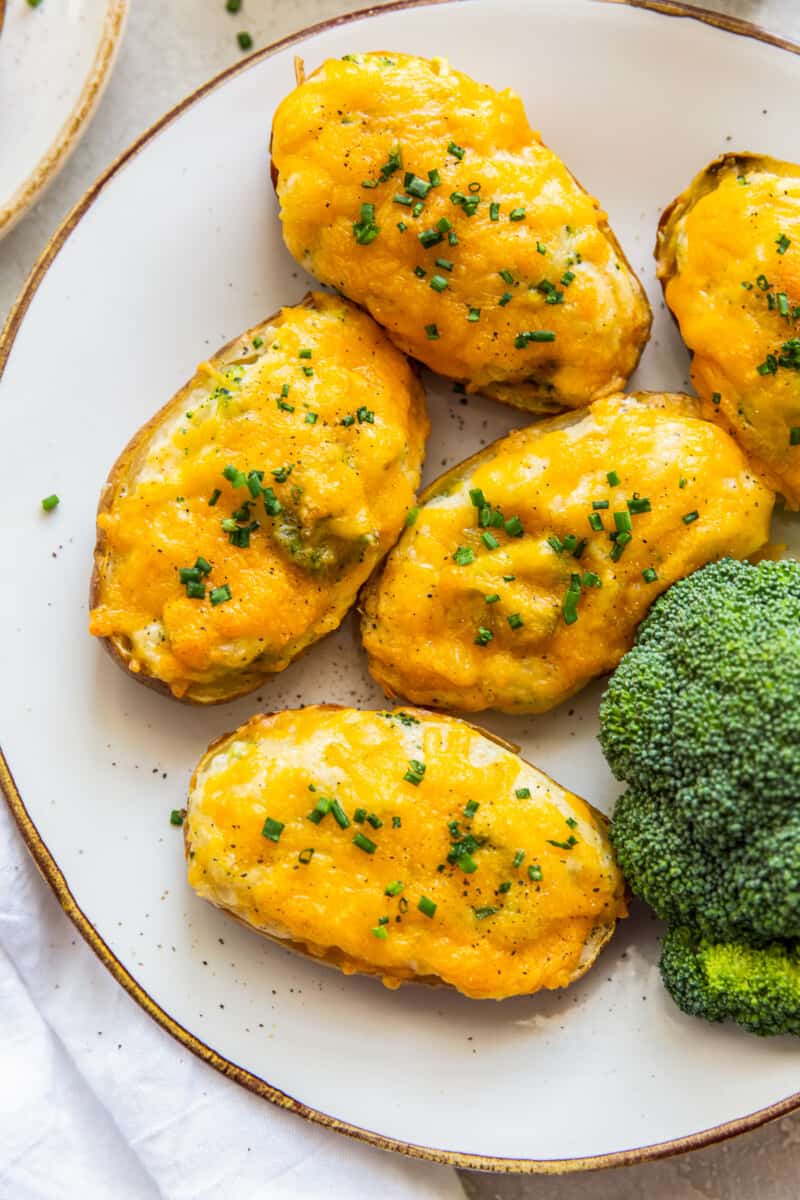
477,497
783,243
513,527
483,913
50,502
494,212
567,278
195,590
415,772
649,575
394,889
214,497
639,504
311,418
504,887
541,248
794,435
417,187
591,580
515,621
682,483
535,873
176,816
519,858
690,517
471,807
432,332
506,276
783,304
504,299
456,151
360,816
272,829
523,793
219,595
203,565
364,843
483,637
613,479
596,522
188,574
426,906
600,504
437,282
342,819
571,597
245,41
380,931
233,6
445,263
622,521
464,555
474,314
374,820
619,546
435,178
489,541
492,598
517,214
467,863
556,543
305,856
411,516
320,809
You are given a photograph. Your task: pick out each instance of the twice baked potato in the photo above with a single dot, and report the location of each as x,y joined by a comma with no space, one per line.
239,523
728,254
530,565
402,844
427,198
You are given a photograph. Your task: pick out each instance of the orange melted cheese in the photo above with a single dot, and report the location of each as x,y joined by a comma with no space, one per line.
422,615
340,127
343,482
729,256
486,942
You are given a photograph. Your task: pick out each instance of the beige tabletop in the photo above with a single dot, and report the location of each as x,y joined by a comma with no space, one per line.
168,50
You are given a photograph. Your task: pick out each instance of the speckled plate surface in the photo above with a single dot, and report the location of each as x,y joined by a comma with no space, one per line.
55,60
143,282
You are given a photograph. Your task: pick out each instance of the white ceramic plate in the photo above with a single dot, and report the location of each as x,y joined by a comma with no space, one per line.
55,61
148,280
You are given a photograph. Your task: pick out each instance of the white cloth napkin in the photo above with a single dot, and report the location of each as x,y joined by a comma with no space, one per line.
97,1101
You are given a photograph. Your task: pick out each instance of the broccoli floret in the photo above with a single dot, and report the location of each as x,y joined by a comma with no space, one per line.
757,987
702,720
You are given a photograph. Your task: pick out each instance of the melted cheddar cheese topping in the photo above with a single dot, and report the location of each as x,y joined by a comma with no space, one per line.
729,257
455,622
467,271
384,883
332,416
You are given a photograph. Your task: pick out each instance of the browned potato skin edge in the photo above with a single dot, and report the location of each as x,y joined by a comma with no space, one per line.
603,226
115,645
601,935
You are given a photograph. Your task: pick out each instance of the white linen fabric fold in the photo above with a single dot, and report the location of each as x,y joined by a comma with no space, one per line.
97,1101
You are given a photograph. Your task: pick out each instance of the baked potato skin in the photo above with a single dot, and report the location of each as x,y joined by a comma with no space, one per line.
563,270
340,439
486,942
728,255
452,623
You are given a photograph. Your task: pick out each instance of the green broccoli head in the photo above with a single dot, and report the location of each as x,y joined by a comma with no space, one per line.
702,720
757,987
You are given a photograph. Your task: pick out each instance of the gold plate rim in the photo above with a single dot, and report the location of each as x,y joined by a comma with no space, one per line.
42,855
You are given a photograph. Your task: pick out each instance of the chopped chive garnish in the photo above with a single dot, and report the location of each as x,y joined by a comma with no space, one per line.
435,178
513,527
195,590
515,621
619,546
305,856
474,314
504,299
203,565
415,772
50,502
394,889
418,209
456,151
690,517
567,845
649,575
284,407
360,816
467,863
596,522
506,276
437,282
471,807
176,816
308,372
305,352
542,249
430,237
494,212
591,580
535,873
404,200
571,598
504,887
556,543
272,829
783,304
523,793
411,516
235,477
219,595
464,555
432,332
639,504
489,540
374,820
483,636
340,815
567,278
622,521
365,230
492,598
417,187
483,913
189,574
517,214
320,809
364,843
426,906
613,479
570,542
533,335
600,504
519,858
214,497
311,418
794,435
348,420
477,497
396,822
244,39
420,272
783,243
445,263
379,931
365,415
